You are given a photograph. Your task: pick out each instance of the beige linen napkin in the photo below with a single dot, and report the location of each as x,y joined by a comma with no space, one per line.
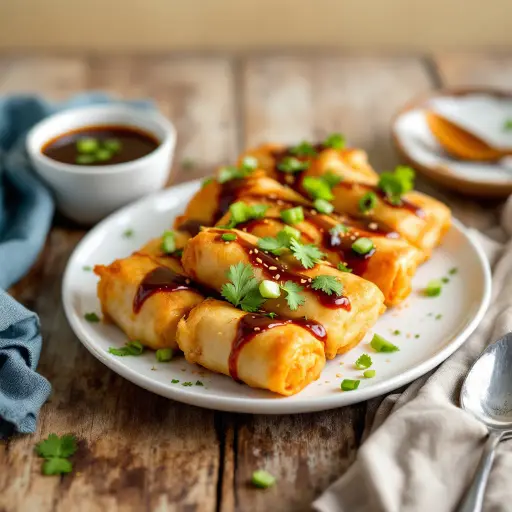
423,449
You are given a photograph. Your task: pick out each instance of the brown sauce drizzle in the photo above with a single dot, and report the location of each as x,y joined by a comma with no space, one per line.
280,272
191,226
163,279
250,325
404,203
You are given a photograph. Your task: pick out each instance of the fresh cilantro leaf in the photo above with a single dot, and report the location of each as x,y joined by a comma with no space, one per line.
303,149
174,381
243,290
293,295
335,141
92,317
292,164
199,383
55,446
56,466
275,245
186,384
307,254
343,267
363,362
395,184
327,284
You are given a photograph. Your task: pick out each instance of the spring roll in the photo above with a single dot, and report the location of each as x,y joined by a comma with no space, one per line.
391,266
419,219
346,319
145,298
276,354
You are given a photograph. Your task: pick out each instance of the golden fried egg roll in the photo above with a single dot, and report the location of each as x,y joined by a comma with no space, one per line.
278,354
391,266
419,219
346,318
145,298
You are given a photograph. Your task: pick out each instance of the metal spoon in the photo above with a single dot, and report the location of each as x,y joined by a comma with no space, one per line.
487,395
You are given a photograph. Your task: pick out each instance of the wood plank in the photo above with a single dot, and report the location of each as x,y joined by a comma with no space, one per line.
196,93
137,450
287,99
475,69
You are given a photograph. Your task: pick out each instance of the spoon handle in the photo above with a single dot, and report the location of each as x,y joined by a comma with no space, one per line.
474,498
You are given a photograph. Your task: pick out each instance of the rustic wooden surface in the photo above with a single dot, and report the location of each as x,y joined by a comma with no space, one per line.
139,451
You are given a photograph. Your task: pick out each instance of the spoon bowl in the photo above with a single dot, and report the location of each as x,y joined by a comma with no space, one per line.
487,390
487,395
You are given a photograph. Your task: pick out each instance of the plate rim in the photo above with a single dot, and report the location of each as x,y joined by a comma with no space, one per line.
442,174
264,405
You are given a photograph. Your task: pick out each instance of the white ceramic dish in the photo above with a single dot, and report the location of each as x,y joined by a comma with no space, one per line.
480,111
87,194
461,304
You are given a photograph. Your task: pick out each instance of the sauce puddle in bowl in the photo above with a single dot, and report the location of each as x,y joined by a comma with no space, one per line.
100,145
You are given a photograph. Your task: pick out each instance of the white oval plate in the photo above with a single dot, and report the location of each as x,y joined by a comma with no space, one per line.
431,329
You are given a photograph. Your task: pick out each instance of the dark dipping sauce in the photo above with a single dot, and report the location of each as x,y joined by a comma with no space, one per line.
281,273
252,324
131,144
163,279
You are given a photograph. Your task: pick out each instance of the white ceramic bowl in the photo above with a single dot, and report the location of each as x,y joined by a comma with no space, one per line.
86,194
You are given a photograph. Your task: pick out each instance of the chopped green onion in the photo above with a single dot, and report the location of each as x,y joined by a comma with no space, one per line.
438,317
292,232
102,155
113,145
164,355
416,336
379,344
263,479
85,159
343,267
369,374
396,332
86,268
128,233
292,164
238,212
362,246
87,145
92,317
445,280
269,289
368,202
349,384
249,163
335,141
303,149
168,243
228,237
323,206
228,173
434,288
317,188
453,271
135,347
293,215
207,181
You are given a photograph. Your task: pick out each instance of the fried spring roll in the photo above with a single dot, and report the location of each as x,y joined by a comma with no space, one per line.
145,298
420,219
275,354
346,319
391,266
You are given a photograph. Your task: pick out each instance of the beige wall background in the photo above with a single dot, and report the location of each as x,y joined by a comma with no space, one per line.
163,25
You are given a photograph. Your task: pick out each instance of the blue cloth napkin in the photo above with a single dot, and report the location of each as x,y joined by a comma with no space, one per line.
26,210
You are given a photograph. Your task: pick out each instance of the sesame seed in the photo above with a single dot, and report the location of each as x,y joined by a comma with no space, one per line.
272,268
277,276
250,252
257,329
259,260
373,225
302,281
255,251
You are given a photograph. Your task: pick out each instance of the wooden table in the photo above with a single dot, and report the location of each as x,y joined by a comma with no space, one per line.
139,451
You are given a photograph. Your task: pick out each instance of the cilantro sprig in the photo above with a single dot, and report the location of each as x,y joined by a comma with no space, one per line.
281,242
293,297
327,284
56,451
307,254
395,184
242,290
